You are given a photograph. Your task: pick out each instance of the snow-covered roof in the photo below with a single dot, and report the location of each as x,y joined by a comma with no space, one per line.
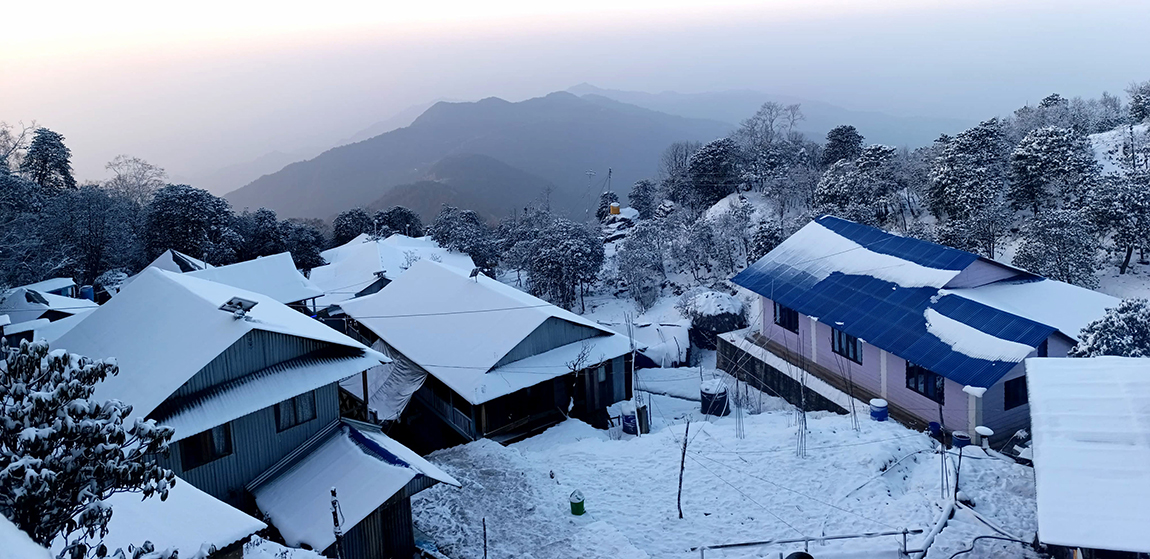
54,284
275,276
458,328
1067,307
23,304
359,263
1091,426
164,327
365,467
17,544
178,262
189,521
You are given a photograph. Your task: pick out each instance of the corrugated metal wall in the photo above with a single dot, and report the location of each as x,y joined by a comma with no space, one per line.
255,351
256,446
386,533
553,333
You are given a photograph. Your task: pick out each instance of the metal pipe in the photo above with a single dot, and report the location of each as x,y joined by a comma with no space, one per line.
904,532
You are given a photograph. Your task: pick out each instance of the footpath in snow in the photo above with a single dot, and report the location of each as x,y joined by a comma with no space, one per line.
878,477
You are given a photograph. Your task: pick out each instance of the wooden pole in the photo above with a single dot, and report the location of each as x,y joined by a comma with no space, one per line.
682,466
485,538
366,409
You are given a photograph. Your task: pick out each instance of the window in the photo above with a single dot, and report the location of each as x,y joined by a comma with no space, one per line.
290,413
787,318
210,445
601,373
846,345
1015,393
925,382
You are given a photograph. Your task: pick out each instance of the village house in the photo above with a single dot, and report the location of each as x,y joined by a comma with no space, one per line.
275,276
248,385
365,264
475,358
870,315
1091,447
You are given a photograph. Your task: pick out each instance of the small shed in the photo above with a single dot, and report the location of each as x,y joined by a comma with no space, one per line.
1091,427
64,287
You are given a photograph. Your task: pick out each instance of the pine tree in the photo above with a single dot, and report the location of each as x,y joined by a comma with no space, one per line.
712,174
350,224
63,454
190,220
1122,331
305,242
644,197
48,161
401,220
1061,245
1051,166
843,142
968,177
605,200
566,262
640,264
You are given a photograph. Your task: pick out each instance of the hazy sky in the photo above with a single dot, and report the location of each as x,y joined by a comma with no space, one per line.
212,83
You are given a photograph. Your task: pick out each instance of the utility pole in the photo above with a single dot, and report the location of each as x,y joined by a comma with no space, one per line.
682,466
335,522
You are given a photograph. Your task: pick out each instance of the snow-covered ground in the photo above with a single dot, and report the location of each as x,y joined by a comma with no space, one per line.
879,477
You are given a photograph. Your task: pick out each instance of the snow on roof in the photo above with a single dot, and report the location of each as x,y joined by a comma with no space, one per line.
26,326
820,251
164,327
189,521
1067,307
17,544
458,328
275,276
1090,420
365,467
178,262
54,284
359,263
973,342
23,304
517,375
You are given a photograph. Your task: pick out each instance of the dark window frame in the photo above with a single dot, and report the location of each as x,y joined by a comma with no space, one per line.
288,414
846,345
206,447
926,382
787,317
1014,393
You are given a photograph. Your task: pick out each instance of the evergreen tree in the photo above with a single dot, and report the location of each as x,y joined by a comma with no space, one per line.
48,161
644,197
1049,167
305,242
1139,101
1123,331
1120,206
1061,245
566,263
266,236
63,454
969,175
605,200
350,224
466,232
712,174
94,229
401,220
192,221
843,142
640,264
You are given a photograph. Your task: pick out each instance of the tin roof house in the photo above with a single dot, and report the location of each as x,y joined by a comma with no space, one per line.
1091,428
249,385
873,315
275,276
475,358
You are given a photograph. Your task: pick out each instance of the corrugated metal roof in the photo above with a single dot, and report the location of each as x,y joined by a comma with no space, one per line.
877,309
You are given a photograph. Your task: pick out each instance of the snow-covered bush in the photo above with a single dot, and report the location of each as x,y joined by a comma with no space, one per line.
711,313
1123,331
63,454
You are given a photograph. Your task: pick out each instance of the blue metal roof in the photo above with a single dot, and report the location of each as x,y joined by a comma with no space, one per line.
884,314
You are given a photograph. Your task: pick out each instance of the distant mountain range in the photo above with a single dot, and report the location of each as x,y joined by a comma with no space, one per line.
527,146
736,105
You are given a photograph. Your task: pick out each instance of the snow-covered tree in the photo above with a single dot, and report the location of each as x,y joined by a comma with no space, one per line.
984,231
566,262
134,178
644,196
676,158
607,198
1139,101
1050,166
1120,207
693,247
48,162
304,241
1061,245
1123,331
969,175
640,264
350,224
766,236
94,228
711,313
62,453
262,233
843,142
401,220
14,142
190,220
712,174
466,232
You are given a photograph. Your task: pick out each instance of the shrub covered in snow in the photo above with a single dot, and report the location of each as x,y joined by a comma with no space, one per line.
1123,331
63,454
711,313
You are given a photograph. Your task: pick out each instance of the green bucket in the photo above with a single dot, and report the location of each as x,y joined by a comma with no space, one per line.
577,503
